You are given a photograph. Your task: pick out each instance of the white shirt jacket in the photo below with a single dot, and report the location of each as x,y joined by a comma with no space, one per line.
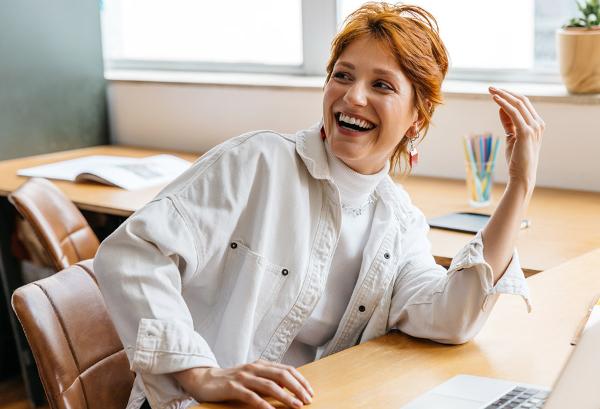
226,263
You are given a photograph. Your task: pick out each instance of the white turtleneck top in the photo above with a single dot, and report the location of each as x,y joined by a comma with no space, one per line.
358,208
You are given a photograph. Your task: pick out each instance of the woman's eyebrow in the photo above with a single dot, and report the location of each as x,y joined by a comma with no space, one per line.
382,71
346,64
378,71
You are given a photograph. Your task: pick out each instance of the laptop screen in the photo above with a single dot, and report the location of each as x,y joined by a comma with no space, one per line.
578,385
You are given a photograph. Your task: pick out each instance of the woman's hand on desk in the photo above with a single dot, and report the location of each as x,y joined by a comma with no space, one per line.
524,129
247,383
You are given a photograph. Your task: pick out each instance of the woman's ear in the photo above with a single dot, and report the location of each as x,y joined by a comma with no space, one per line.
418,117
418,120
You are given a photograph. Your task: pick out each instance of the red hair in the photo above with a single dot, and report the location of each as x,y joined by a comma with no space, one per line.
411,34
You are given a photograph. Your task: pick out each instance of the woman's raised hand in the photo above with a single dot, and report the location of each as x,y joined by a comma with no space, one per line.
248,383
524,129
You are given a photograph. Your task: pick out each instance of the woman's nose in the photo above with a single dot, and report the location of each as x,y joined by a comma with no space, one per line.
356,94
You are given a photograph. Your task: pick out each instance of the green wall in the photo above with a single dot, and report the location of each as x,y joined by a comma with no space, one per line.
52,87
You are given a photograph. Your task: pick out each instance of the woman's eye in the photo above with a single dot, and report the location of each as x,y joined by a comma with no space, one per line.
384,86
341,75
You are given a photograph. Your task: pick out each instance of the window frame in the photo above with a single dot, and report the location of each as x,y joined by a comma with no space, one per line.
533,76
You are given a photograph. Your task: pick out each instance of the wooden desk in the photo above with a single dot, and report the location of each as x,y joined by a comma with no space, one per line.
88,196
394,369
565,223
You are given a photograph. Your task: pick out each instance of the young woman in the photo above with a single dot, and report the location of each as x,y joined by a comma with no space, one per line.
275,250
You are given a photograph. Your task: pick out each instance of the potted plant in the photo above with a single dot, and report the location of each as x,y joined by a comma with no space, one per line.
578,45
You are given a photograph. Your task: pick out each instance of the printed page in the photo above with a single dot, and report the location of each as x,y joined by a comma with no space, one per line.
69,169
140,173
125,172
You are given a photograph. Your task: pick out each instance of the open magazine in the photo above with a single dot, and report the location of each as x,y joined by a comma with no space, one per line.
124,172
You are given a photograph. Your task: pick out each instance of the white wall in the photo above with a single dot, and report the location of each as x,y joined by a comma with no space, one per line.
192,117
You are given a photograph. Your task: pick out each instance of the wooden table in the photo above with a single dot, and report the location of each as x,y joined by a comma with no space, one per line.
565,223
392,370
88,196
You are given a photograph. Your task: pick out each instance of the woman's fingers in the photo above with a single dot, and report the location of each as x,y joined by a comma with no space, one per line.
507,123
529,106
267,387
512,112
240,392
516,102
522,103
284,378
296,374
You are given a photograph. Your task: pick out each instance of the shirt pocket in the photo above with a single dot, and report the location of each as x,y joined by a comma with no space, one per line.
258,281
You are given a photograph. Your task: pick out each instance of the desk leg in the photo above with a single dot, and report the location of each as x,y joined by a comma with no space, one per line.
11,279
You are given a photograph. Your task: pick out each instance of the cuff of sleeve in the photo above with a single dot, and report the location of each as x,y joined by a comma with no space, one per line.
184,403
165,347
512,281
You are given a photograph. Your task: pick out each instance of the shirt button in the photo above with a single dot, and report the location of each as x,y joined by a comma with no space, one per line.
284,271
233,245
386,256
361,308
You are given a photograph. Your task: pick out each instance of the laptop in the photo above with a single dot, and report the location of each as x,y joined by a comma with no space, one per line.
577,387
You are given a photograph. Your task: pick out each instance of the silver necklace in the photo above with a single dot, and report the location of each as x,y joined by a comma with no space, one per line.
358,211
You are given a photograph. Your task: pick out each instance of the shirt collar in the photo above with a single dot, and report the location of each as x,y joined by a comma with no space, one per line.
310,147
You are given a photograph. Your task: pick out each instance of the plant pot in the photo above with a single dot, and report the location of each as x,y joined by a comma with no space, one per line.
579,59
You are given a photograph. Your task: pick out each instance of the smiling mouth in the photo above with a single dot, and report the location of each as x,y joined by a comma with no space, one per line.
352,123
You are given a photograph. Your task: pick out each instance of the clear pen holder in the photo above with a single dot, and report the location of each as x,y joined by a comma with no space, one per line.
479,183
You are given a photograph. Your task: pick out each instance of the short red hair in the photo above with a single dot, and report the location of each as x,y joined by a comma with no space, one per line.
411,34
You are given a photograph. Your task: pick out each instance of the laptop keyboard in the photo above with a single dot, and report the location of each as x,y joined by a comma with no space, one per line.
521,397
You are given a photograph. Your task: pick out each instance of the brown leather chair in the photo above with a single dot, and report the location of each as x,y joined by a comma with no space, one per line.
78,353
58,224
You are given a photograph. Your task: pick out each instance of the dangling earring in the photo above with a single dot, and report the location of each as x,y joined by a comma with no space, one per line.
413,154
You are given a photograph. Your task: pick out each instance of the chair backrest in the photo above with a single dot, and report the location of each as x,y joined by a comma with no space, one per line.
59,225
78,353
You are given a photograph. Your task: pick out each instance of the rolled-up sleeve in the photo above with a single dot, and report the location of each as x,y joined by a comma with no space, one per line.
141,269
166,347
448,306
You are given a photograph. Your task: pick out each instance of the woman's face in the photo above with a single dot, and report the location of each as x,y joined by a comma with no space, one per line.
367,106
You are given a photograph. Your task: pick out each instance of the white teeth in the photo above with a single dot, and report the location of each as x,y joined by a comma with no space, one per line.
355,121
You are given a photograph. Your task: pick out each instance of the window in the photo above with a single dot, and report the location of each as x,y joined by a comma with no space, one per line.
496,39
258,31
288,36
489,39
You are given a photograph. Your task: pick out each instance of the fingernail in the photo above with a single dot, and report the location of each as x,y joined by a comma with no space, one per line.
307,398
297,403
